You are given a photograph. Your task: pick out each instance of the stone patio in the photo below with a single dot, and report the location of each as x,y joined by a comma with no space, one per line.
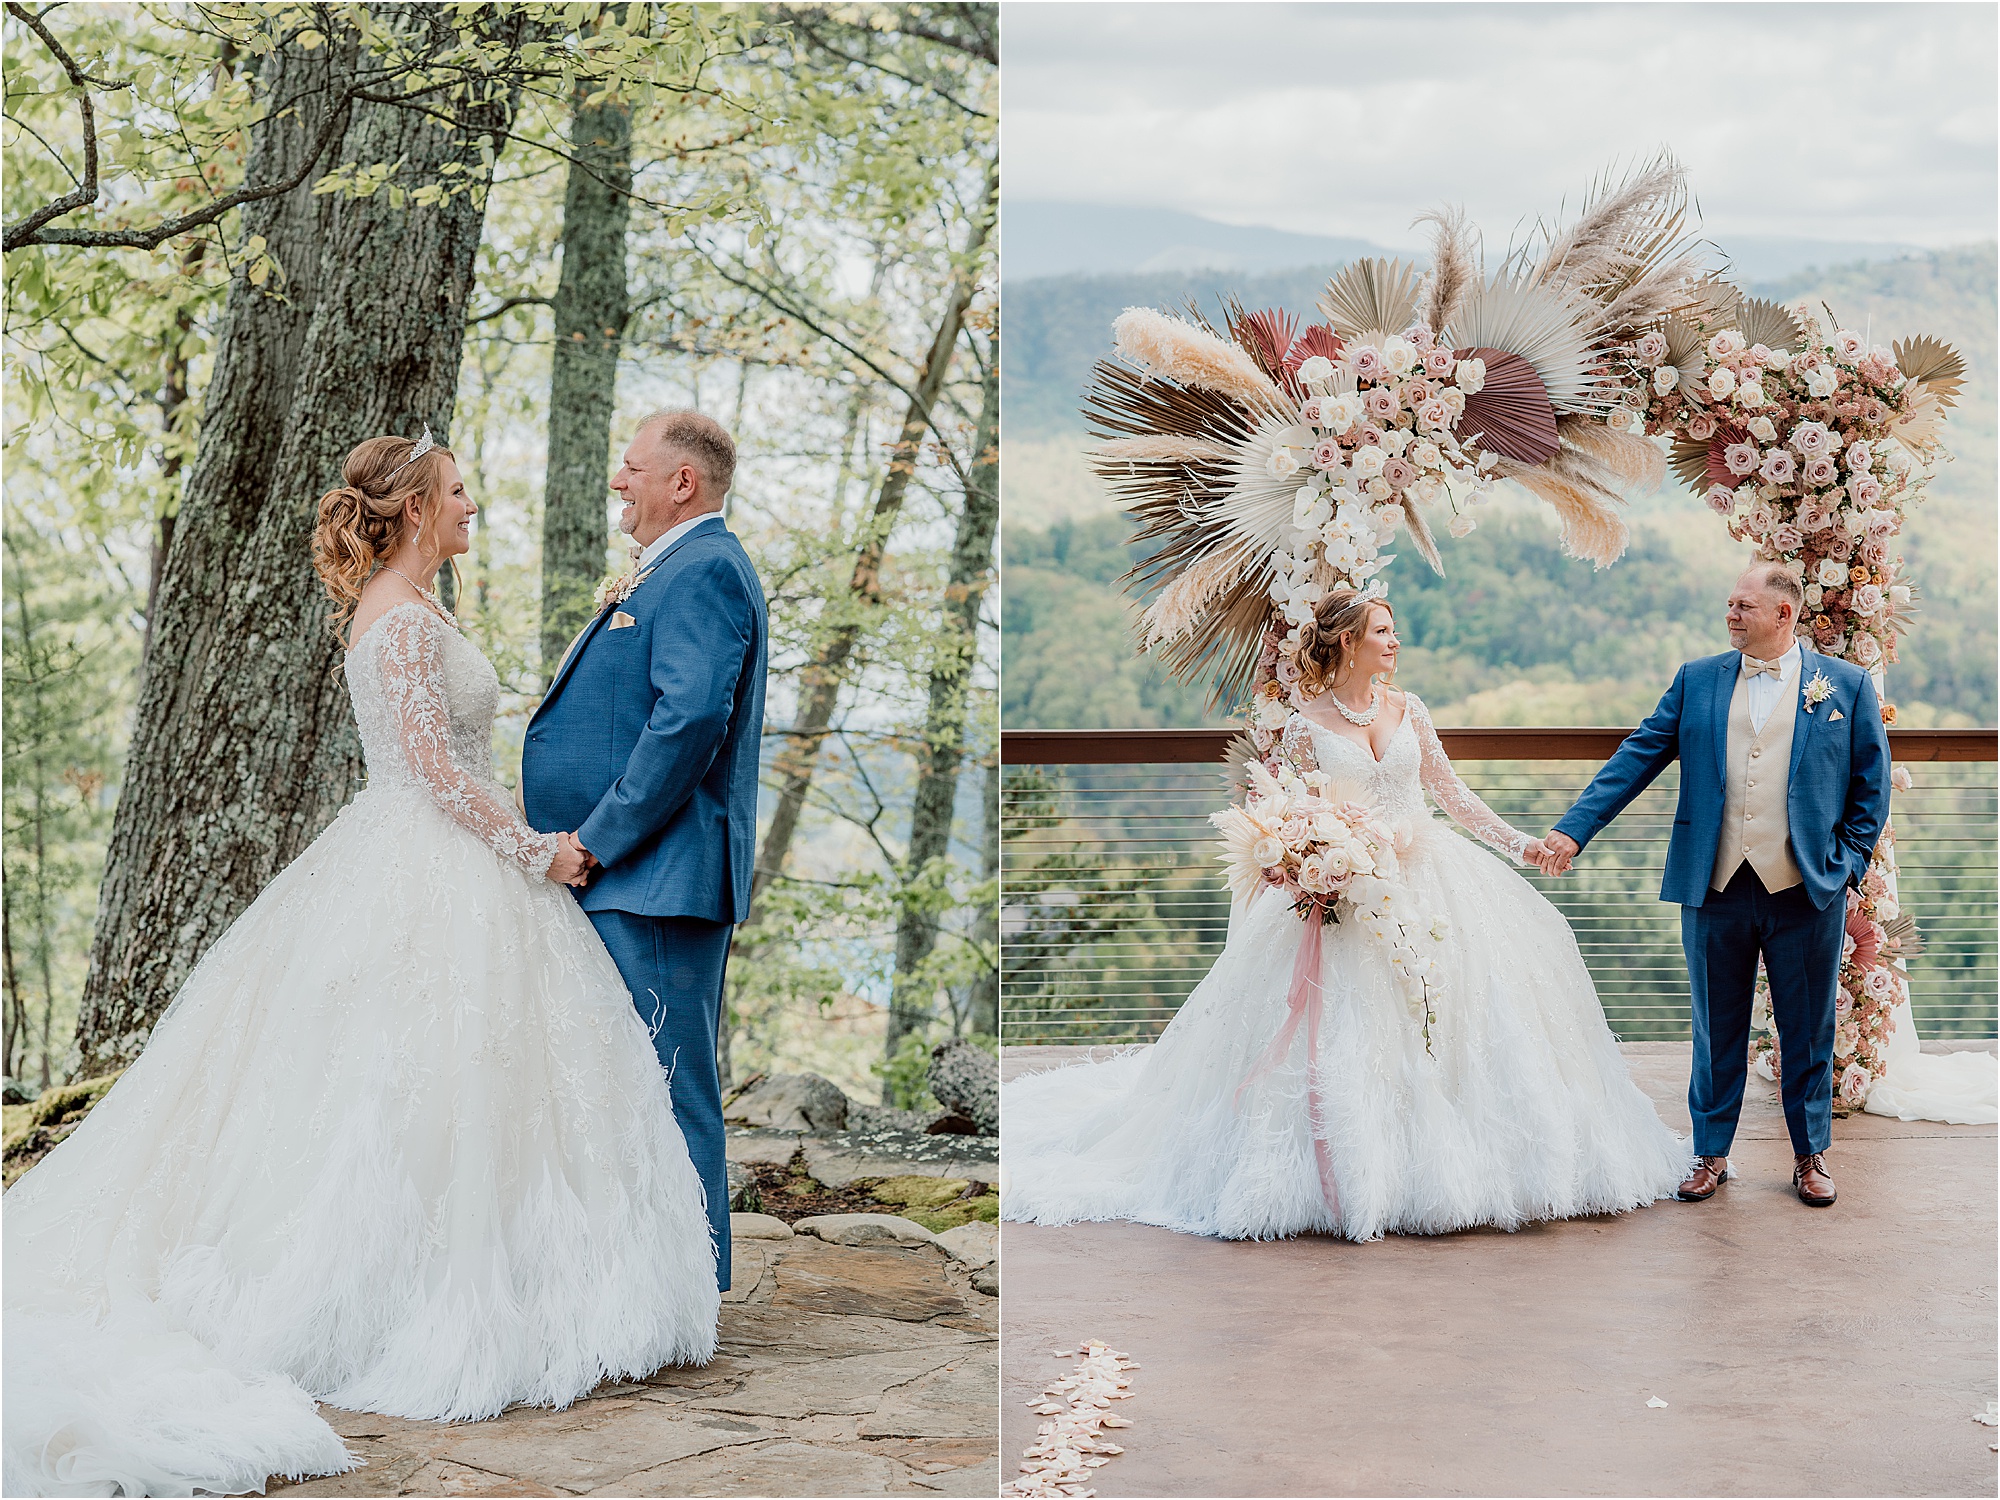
1840,1351
841,1371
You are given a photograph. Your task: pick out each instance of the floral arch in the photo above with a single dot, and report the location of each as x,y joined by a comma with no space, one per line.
1269,463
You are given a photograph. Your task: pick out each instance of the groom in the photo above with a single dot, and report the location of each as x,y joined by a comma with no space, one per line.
1784,791
646,744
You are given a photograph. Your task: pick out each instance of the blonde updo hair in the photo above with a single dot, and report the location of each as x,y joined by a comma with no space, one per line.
361,522
1326,646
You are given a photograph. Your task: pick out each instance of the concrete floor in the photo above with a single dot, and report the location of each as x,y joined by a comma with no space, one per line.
1800,1351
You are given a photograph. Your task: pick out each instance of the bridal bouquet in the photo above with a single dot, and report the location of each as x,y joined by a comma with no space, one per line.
1290,833
1332,857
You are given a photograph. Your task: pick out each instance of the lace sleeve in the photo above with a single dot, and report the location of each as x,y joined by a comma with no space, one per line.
412,668
1296,746
1460,803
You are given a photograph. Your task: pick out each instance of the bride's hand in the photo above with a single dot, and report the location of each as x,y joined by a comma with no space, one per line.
571,866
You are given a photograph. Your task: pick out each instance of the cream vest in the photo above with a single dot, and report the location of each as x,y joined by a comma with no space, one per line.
1756,819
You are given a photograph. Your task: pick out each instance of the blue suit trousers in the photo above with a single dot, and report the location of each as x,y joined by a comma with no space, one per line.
1800,944
674,968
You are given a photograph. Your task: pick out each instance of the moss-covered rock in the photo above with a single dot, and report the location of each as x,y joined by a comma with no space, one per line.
919,1192
985,1208
33,1130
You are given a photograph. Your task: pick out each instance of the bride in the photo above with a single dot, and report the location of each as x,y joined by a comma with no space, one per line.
1516,1107
400,1143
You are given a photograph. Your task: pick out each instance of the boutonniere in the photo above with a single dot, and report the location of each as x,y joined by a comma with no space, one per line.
617,587
1818,691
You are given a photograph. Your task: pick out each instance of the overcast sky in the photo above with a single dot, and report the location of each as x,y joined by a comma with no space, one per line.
1817,120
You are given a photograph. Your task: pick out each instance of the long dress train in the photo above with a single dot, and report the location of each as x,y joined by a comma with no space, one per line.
400,1144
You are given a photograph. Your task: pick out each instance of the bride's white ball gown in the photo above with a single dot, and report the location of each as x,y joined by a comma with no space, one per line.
1525,1112
400,1144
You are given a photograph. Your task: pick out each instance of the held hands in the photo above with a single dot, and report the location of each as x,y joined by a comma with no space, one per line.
1551,854
573,864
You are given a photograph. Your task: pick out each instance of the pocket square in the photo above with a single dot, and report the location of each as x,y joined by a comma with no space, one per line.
620,620
1838,714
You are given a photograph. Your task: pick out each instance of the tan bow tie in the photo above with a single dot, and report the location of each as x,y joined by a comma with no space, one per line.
1755,668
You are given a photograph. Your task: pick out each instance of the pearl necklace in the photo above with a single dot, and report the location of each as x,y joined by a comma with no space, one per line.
1366,716
428,596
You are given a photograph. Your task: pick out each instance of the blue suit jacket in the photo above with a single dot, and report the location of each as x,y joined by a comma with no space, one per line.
647,741
1838,798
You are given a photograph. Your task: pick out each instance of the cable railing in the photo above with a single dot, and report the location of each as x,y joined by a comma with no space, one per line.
1114,907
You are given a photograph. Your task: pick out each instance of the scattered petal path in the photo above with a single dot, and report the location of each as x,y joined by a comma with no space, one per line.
1069,1444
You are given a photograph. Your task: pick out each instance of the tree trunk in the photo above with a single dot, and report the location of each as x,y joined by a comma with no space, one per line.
945,719
244,743
590,311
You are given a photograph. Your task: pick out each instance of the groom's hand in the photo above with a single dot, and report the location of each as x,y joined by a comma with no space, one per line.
591,868
1558,849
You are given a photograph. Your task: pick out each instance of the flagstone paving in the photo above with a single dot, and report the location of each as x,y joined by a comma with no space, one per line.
1797,1351
841,1371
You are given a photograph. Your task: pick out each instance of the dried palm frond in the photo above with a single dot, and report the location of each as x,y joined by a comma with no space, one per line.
1193,356
1121,402
1712,304
1236,758
1511,414
1266,336
1548,329
1766,323
1259,506
1901,931
1318,339
1162,448
1918,425
1636,462
1373,297
1454,267
1932,363
1690,462
1686,346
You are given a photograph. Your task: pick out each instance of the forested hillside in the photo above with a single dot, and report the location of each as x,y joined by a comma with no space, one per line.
1515,633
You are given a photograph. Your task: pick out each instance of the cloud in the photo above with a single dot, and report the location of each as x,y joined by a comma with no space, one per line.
1852,121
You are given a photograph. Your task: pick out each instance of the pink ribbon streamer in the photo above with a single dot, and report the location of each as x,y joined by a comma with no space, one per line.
1302,1006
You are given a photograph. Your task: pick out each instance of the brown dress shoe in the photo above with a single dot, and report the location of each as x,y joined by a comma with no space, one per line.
1709,1173
1809,1177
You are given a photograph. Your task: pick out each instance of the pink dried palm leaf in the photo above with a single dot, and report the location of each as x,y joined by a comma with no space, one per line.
1318,339
1511,415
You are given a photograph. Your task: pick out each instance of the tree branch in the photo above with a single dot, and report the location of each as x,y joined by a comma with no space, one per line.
84,192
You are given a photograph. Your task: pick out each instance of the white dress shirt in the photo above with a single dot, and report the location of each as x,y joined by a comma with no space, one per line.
1766,691
660,543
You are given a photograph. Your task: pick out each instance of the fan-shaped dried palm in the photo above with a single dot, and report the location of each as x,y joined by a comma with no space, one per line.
1691,464
1932,363
1121,402
1236,757
1193,356
1712,304
1318,339
1686,349
1373,298
1918,425
1511,414
1265,336
1548,329
1259,505
1766,323
1454,267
